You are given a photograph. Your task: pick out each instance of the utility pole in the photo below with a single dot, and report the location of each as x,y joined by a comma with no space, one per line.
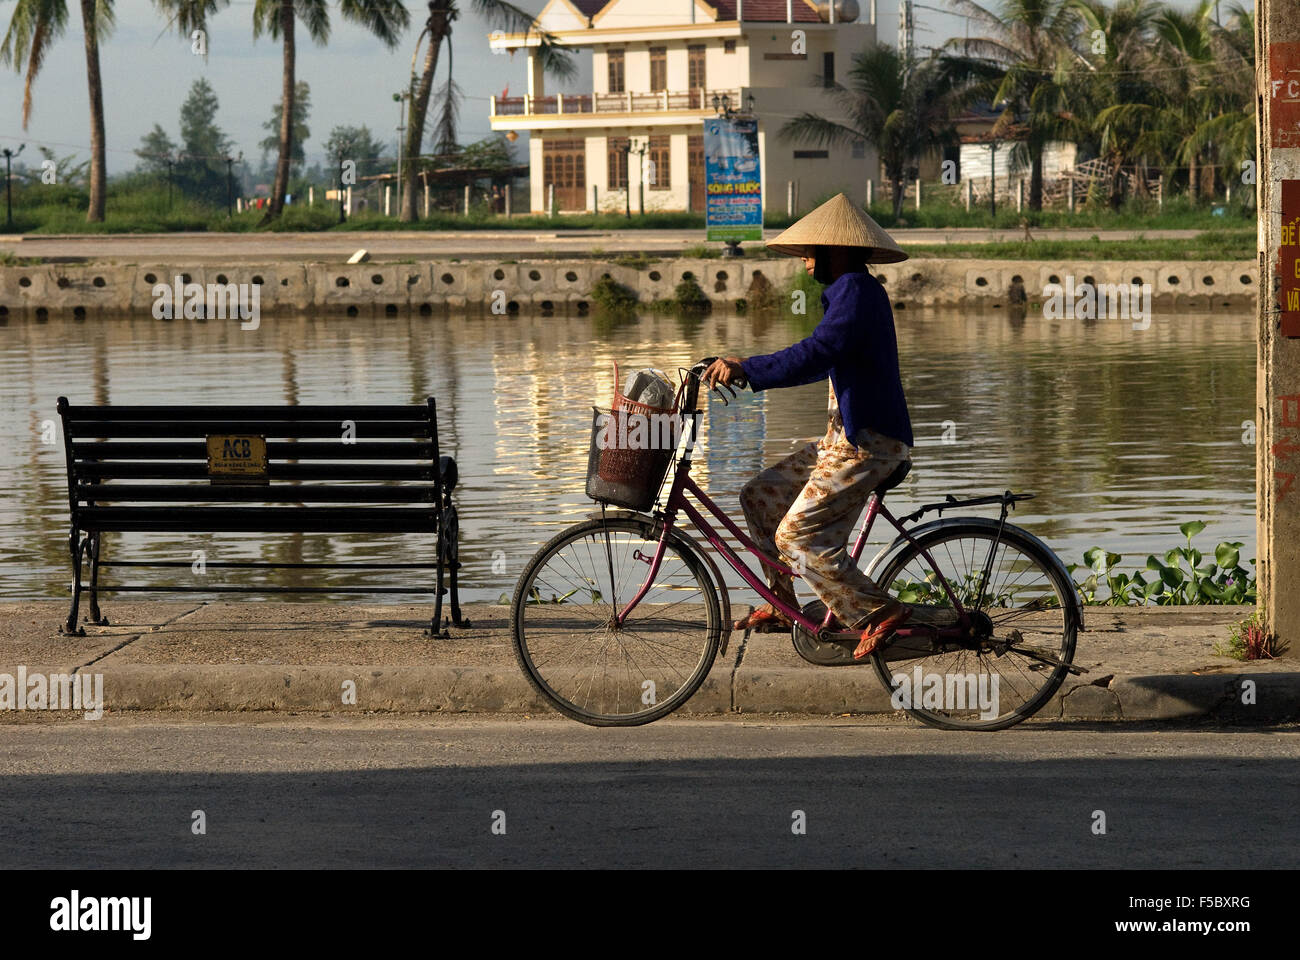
230,185
1277,373
993,181
9,183
342,215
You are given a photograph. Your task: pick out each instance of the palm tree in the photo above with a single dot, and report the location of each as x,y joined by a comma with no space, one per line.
1134,119
1227,127
386,19
437,29
903,108
33,28
1030,42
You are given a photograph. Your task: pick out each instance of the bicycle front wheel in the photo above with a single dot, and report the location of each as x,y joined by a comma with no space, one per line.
1025,612
579,659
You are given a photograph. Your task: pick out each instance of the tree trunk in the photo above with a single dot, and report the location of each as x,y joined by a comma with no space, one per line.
419,109
98,171
900,187
1193,178
281,186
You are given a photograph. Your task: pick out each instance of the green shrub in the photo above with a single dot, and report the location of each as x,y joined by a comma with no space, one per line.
611,295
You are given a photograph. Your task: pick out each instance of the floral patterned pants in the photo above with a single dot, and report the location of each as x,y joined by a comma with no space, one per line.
804,509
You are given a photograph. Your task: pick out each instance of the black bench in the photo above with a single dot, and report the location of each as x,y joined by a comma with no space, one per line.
258,469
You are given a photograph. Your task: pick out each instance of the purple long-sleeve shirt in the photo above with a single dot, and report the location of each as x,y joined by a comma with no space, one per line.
855,346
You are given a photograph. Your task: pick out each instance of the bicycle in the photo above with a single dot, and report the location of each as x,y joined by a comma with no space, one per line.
638,611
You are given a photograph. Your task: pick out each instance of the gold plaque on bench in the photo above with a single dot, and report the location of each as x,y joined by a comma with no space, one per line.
237,459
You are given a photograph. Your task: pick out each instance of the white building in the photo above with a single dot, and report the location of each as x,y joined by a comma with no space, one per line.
660,67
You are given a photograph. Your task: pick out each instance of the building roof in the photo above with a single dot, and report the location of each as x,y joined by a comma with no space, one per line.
766,11
590,8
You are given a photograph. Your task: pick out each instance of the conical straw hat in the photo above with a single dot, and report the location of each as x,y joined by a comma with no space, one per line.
839,222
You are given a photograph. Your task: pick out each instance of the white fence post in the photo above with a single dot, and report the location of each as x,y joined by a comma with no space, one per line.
871,192
789,198
918,193
467,199
970,193
509,208
388,200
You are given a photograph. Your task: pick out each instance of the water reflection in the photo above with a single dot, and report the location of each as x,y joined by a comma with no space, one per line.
1123,434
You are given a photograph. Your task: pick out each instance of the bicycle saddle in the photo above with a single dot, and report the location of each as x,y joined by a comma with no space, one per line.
895,478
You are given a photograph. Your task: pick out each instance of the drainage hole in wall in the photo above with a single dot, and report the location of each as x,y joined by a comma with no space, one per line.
654,276
341,282
534,275
571,277
498,274
447,278
377,279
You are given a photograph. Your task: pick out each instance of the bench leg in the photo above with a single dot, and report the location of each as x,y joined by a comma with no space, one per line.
435,627
95,616
75,547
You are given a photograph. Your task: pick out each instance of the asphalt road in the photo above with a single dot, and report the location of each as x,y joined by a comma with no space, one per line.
468,244
416,792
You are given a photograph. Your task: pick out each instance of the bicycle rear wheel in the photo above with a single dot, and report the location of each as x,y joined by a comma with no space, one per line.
588,668
1026,615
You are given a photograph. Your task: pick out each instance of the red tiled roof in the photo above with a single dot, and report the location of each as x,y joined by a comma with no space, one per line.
766,11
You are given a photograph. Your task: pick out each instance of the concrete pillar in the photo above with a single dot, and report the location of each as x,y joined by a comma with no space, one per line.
467,199
918,193
871,192
789,198
388,200
426,199
536,75
1020,195
550,199
1069,194
509,208
1277,436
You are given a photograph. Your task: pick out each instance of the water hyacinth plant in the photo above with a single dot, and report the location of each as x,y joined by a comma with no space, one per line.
1182,575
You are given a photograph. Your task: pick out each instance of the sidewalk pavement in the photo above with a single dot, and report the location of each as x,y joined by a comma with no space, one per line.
388,245
1144,664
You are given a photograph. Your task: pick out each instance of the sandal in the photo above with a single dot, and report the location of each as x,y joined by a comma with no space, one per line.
890,617
764,619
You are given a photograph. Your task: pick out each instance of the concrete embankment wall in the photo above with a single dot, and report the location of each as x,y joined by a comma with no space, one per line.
565,286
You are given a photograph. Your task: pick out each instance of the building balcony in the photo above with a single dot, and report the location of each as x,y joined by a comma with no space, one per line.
600,108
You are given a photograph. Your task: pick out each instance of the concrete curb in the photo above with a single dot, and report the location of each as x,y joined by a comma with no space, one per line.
1246,697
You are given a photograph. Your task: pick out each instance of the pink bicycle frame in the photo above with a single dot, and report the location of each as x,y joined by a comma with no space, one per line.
682,484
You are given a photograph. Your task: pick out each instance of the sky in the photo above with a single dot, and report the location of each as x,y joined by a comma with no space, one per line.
148,68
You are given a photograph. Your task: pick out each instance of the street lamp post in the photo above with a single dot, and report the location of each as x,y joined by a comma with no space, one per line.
402,100
9,183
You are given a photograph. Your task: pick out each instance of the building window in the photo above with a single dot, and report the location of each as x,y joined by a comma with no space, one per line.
617,163
615,71
828,69
728,46
811,154
658,68
695,67
660,169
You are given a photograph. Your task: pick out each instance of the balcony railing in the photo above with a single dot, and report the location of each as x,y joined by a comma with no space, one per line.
659,101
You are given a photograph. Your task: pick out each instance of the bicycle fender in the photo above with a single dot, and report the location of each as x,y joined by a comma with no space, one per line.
878,561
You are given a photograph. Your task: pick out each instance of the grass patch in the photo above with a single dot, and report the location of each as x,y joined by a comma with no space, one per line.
636,261
1247,640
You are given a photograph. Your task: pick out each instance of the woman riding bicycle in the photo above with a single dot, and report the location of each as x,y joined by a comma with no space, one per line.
806,505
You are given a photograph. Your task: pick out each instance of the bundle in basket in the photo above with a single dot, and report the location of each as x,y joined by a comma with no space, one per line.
631,448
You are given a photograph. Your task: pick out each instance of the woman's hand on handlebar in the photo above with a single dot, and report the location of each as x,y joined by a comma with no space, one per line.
726,371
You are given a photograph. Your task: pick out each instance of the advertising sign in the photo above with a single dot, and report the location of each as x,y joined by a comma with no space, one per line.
733,207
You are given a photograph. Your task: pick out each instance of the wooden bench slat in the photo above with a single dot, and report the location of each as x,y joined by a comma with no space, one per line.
275,450
188,429
258,519
292,414
181,470
358,494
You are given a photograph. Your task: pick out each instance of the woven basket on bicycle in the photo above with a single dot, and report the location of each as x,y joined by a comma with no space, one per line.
631,449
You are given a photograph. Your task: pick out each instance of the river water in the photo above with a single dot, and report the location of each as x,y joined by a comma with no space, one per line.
1122,433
